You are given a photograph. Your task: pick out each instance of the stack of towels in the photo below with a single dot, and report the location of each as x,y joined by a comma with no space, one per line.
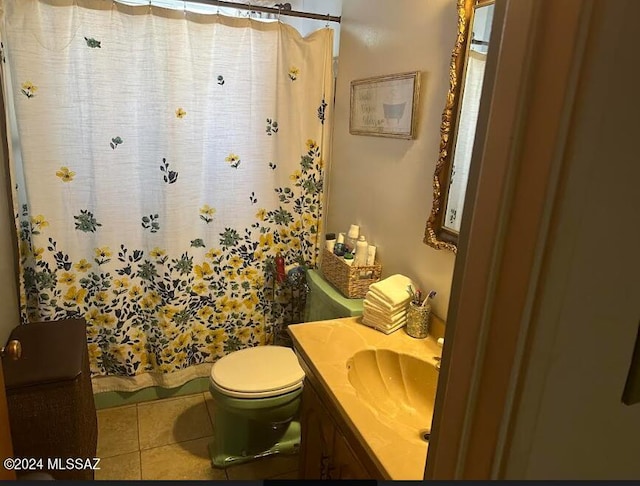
386,302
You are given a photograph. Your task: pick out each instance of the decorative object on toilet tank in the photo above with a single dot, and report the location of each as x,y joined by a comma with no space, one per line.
348,258
362,254
330,241
352,238
352,282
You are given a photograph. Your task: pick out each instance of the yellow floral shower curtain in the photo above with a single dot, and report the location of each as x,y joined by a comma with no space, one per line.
160,159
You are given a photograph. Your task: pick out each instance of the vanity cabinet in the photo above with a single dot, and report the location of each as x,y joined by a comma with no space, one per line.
324,451
345,462
327,451
317,437
367,397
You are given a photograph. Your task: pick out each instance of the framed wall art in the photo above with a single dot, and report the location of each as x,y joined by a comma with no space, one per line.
385,106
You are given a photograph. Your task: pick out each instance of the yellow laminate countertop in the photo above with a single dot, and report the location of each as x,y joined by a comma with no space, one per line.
326,346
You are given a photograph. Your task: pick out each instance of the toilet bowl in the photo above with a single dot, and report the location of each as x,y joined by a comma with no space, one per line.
256,393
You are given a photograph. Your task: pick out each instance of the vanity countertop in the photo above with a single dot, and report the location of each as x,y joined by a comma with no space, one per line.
326,346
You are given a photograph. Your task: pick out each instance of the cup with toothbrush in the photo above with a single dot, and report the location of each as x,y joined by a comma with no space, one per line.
419,314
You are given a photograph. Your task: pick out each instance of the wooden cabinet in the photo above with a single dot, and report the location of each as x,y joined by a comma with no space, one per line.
318,432
325,451
345,463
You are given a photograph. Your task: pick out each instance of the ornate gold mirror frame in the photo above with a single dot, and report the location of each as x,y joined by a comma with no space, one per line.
436,235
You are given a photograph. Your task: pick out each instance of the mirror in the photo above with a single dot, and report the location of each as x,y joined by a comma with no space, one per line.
457,131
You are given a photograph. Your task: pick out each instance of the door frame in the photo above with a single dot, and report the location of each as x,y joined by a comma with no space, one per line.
536,52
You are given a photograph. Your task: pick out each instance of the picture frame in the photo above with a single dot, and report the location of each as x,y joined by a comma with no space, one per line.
385,106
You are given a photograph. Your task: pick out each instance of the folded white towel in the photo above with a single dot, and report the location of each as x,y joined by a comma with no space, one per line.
391,329
387,329
373,312
383,305
382,321
368,323
385,301
399,298
393,290
368,304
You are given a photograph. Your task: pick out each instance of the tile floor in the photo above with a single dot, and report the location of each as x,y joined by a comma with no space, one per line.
168,439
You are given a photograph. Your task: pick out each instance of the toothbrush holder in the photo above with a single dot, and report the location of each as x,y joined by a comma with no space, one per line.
418,318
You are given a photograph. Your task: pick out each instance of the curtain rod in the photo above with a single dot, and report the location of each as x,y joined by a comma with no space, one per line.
280,9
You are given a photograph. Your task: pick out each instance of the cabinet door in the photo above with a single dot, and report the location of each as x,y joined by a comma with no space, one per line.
317,437
345,463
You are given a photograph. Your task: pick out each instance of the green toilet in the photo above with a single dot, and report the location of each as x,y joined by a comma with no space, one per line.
257,391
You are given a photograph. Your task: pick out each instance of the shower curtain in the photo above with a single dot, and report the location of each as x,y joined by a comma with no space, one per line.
159,161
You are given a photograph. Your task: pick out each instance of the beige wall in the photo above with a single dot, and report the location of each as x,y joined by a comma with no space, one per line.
385,184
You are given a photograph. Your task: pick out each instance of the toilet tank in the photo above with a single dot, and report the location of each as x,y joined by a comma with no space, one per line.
325,302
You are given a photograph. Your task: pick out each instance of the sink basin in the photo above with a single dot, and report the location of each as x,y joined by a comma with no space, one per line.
400,388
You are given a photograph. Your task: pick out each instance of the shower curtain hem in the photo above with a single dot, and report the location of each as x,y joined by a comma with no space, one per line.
165,380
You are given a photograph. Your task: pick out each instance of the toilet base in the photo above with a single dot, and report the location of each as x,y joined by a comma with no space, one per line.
231,449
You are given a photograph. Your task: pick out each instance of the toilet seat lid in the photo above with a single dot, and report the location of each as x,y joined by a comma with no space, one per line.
258,369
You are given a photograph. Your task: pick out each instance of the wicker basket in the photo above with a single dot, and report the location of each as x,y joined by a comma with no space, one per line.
352,282
50,398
